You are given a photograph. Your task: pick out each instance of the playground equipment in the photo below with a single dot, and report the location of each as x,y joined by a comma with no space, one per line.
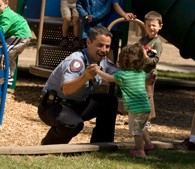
4,71
138,23
45,21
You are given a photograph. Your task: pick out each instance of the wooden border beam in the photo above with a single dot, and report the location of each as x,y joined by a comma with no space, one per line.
74,148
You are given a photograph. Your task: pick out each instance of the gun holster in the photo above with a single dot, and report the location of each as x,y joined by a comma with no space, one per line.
50,97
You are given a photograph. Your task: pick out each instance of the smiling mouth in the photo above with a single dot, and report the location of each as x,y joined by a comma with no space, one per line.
101,55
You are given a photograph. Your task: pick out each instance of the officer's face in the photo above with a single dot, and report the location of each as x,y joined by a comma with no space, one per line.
98,48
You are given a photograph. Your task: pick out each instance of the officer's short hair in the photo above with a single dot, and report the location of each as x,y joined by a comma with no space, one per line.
99,30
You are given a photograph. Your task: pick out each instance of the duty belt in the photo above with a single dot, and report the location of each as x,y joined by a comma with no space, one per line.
50,97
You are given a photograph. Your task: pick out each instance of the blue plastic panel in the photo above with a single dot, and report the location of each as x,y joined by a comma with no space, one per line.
32,8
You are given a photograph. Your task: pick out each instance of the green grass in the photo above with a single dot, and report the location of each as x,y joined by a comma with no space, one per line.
176,75
120,159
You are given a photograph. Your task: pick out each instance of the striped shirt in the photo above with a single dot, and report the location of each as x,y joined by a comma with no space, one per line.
132,85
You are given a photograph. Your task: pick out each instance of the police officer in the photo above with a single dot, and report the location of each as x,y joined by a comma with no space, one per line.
71,96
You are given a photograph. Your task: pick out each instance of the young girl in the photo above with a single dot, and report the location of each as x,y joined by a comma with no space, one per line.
131,80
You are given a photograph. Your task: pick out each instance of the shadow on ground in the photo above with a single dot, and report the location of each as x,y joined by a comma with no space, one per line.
174,105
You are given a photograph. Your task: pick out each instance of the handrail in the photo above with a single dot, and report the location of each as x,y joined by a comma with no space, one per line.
40,29
137,21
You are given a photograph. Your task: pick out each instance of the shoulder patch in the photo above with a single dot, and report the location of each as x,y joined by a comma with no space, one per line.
76,65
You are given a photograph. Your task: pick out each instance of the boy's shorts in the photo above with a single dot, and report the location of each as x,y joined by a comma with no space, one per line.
68,10
137,123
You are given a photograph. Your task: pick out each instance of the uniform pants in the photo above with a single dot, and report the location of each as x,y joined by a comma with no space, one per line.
67,121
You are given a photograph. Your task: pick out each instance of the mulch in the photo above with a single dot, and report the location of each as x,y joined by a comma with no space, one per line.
22,126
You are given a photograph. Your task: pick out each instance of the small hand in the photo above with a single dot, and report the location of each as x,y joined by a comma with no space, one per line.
97,68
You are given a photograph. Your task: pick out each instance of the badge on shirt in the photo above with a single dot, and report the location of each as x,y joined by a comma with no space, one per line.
76,65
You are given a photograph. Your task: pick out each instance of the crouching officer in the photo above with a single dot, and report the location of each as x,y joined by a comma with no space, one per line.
70,95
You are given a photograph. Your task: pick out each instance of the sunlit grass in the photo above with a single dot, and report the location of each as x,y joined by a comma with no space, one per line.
120,159
176,75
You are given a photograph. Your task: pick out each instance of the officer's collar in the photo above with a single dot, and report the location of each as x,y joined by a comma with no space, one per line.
86,55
